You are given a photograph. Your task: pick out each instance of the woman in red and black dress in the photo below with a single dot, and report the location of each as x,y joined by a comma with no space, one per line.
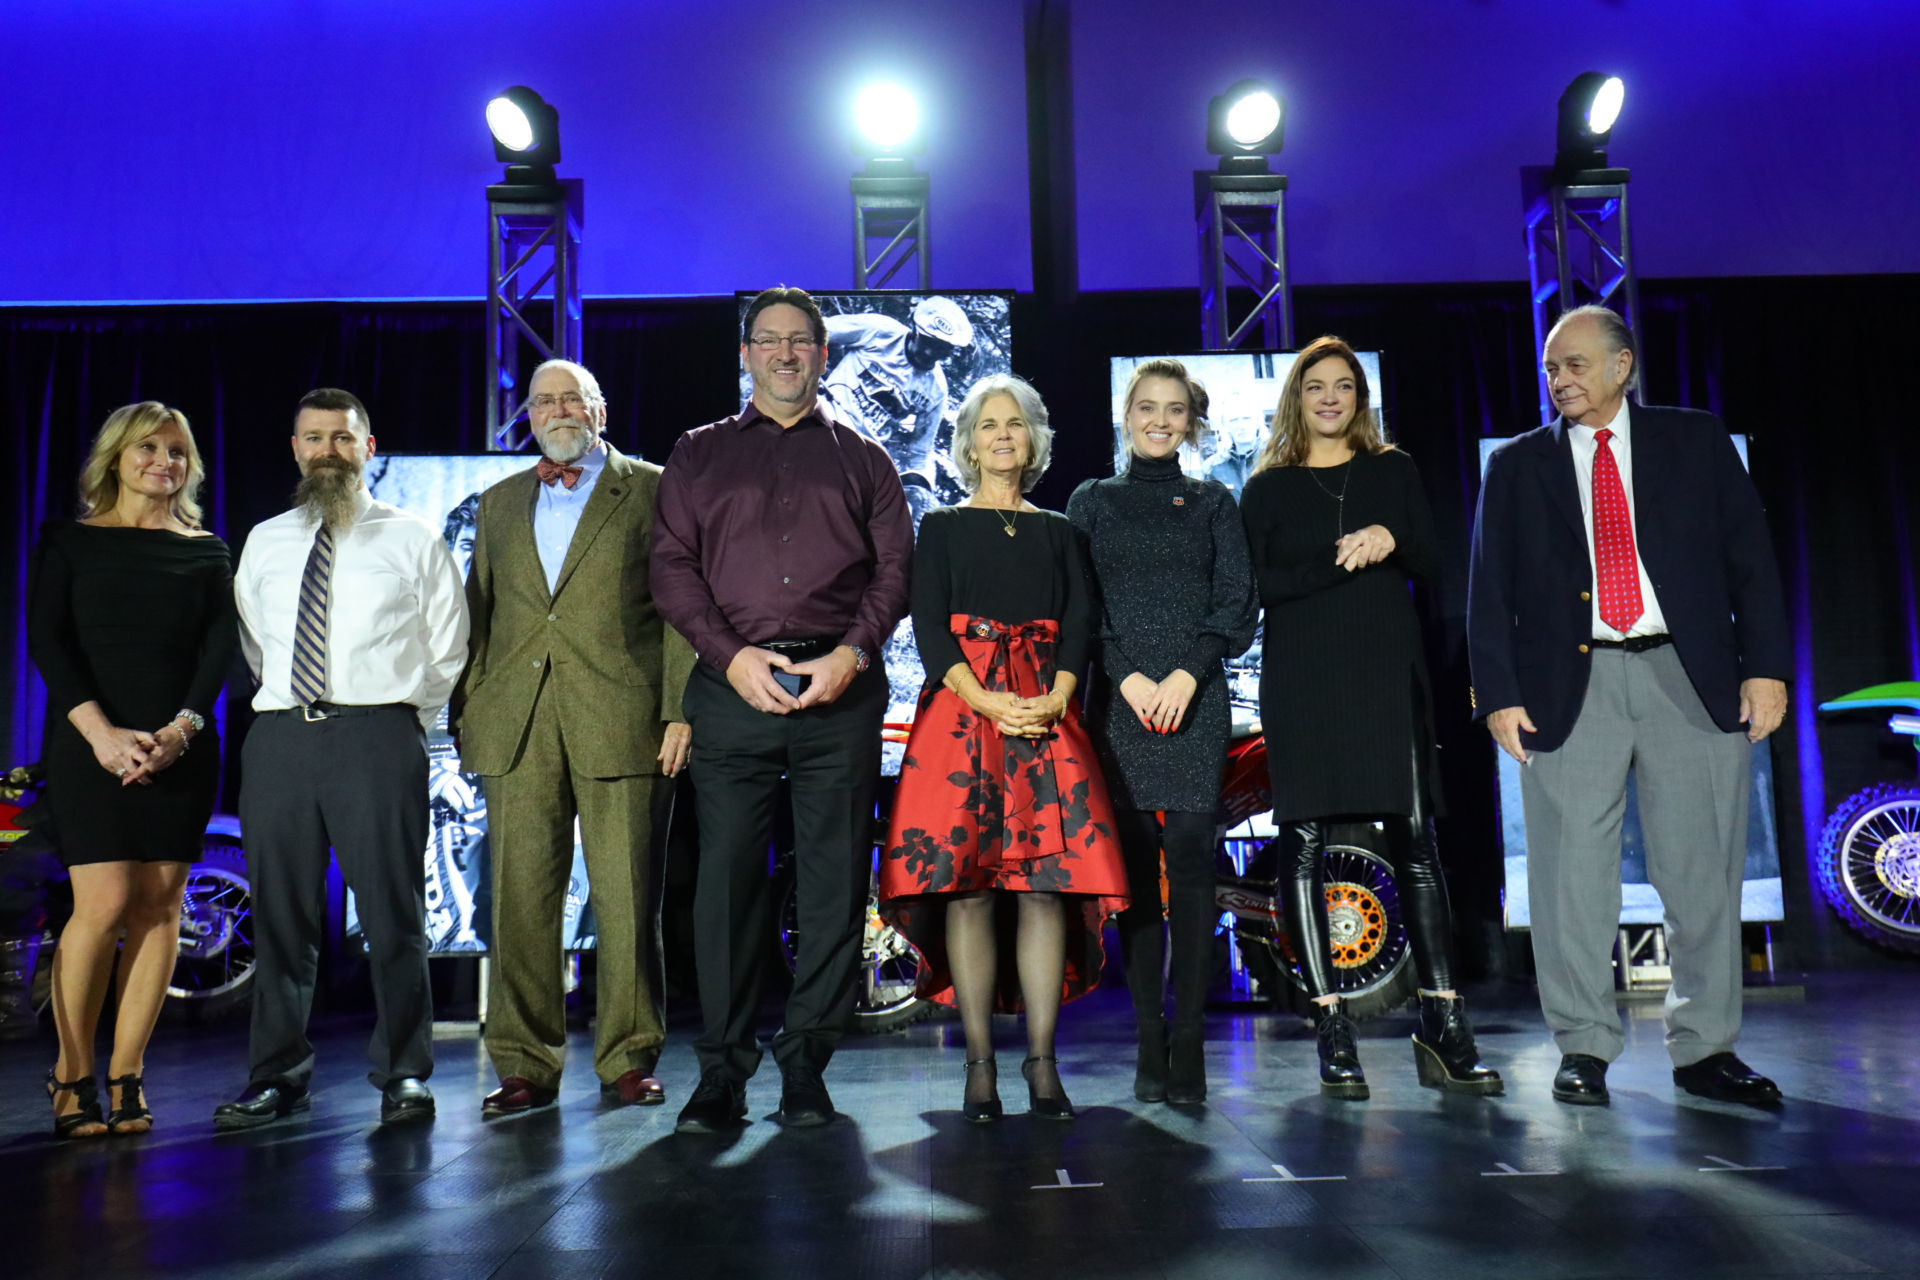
1000,788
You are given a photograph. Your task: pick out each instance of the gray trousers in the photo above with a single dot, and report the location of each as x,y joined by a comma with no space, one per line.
357,783
1641,714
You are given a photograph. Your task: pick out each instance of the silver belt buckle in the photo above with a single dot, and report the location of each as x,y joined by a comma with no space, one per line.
312,715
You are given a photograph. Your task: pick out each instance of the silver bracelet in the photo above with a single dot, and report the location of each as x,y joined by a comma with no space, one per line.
195,721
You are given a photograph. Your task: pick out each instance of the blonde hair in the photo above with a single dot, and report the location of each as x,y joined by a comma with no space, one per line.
1289,440
125,427
1198,432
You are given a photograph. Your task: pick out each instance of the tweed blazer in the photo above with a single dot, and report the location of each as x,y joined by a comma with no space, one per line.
595,645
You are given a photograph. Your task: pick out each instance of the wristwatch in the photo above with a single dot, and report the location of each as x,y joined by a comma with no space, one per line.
860,659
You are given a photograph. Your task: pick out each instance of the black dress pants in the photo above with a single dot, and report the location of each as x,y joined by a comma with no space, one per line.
357,782
1188,840
831,758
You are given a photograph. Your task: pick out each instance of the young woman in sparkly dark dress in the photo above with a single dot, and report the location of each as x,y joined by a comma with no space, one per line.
1175,600
1001,864
1339,528
131,623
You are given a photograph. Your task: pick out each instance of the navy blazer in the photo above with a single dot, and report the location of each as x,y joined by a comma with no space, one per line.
1700,532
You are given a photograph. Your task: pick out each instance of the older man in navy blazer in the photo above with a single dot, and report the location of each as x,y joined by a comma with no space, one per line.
1625,616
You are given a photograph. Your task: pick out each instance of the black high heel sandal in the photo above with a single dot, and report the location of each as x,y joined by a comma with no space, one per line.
1046,1108
86,1091
129,1117
987,1110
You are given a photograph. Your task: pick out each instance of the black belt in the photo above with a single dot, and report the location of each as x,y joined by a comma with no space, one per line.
337,711
1633,644
800,650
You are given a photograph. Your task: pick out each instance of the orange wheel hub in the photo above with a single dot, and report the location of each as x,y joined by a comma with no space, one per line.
1356,924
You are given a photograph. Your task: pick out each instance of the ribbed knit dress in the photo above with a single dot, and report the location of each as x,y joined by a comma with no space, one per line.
1344,695
1174,592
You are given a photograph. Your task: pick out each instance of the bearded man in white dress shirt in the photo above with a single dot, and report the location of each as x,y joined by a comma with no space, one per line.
354,622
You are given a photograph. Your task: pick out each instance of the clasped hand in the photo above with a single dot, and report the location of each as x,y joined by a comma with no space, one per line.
1018,717
135,756
1363,547
1161,705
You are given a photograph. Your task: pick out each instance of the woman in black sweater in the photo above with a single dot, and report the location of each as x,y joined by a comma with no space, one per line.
1175,600
1338,528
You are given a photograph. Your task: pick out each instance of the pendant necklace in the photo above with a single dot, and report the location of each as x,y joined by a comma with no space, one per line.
1008,520
1339,499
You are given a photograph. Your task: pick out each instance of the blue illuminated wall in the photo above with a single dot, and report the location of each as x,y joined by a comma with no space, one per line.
192,149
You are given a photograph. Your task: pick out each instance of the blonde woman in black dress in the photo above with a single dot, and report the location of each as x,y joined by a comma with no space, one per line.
1338,527
131,623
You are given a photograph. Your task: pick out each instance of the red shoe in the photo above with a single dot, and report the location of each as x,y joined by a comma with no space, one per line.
633,1089
515,1096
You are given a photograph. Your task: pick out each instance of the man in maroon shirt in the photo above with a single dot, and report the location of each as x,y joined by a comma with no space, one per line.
780,551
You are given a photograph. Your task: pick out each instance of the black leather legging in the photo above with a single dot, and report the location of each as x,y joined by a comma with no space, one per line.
1188,839
1416,871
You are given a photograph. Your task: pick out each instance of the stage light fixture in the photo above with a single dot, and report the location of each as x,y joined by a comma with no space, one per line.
1245,125
1588,110
886,119
526,136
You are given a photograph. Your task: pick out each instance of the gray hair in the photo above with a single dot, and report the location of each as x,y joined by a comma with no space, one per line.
1613,331
589,385
1032,408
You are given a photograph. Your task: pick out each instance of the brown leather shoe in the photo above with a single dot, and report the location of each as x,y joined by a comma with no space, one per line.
516,1095
634,1088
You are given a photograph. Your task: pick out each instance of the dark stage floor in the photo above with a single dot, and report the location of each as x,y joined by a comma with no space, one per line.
1267,1180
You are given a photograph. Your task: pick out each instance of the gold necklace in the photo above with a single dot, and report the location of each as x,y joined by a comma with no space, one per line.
1007,522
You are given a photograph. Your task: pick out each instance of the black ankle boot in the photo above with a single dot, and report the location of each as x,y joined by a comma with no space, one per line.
1187,1066
1340,1074
1150,1067
1444,1052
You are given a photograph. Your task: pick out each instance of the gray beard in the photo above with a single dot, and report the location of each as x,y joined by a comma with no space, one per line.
326,495
566,453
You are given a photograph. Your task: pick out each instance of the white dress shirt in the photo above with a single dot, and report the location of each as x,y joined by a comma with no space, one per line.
396,615
556,512
1651,621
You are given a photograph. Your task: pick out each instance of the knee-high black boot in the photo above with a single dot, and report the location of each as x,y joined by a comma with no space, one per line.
1303,889
1189,843
1143,949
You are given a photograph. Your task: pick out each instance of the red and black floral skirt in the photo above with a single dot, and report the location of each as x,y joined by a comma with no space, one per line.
976,810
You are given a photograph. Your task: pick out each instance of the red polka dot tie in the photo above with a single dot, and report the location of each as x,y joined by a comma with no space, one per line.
1613,556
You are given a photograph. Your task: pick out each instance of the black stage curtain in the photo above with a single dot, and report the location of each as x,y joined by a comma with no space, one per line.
1806,366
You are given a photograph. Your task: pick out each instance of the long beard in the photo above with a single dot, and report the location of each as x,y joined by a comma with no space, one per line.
326,492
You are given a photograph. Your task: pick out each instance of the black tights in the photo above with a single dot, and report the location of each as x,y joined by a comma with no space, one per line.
1188,839
1416,872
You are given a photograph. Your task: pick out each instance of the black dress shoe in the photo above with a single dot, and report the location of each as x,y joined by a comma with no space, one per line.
804,1101
1725,1078
261,1102
717,1104
406,1100
1581,1080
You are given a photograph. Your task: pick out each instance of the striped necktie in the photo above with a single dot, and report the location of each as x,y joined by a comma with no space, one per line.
310,626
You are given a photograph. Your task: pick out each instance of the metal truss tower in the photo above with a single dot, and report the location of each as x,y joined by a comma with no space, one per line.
1242,221
533,257
890,209
1578,252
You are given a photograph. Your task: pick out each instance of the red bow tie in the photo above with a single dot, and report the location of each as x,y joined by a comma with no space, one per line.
550,471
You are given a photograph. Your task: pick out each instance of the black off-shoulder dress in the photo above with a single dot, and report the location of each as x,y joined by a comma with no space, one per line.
141,621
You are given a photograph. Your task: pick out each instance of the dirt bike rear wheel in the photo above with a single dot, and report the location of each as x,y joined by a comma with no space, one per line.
1870,864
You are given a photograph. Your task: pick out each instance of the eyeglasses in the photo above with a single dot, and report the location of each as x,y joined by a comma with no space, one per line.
801,343
571,399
